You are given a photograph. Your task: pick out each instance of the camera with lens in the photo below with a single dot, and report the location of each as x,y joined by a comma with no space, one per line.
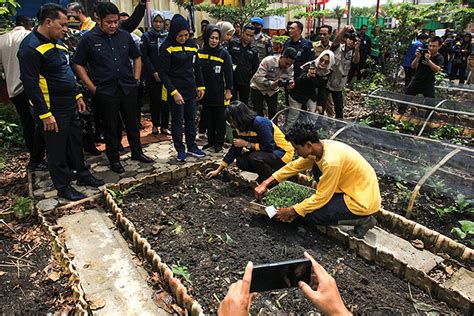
284,82
423,51
352,35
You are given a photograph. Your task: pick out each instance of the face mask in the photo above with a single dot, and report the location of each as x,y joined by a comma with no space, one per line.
257,30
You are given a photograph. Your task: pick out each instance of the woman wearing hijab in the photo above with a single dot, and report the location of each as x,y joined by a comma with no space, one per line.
227,32
315,75
216,65
150,44
180,72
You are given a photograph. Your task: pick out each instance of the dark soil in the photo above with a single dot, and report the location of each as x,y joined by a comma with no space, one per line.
204,226
396,199
31,279
13,179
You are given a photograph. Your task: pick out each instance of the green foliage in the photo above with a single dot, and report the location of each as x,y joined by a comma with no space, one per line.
242,14
287,194
450,132
181,271
466,230
462,205
279,39
177,227
7,12
118,194
406,126
374,80
10,129
23,206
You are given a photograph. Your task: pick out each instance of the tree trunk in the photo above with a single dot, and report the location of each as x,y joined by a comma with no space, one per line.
338,24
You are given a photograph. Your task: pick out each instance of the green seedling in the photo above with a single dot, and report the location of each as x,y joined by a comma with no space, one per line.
23,206
287,194
406,126
177,228
181,271
118,194
462,205
466,230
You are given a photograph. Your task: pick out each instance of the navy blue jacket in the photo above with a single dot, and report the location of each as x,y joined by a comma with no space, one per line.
149,48
267,137
47,77
245,60
305,53
109,59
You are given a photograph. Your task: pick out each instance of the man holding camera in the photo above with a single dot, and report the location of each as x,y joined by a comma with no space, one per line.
427,63
345,55
274,72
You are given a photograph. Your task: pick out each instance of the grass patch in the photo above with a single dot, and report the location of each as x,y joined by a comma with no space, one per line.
287,194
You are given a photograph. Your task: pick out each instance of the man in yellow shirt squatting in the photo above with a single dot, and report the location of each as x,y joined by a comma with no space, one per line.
347,192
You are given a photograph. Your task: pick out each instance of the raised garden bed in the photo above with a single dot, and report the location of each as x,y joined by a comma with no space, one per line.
204,231
433,210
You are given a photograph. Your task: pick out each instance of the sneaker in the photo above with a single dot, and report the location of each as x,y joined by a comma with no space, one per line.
38,166
207,146
181,157
196,152
362,227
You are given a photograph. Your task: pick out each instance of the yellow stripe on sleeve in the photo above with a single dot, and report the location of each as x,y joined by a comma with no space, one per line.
44,89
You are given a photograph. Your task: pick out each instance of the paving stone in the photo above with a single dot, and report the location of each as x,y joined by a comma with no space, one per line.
39,193
125,180
463,282
147,168
47,204
142,175
100,168
106,266
249,175
50,194
108,176
401,249
129,173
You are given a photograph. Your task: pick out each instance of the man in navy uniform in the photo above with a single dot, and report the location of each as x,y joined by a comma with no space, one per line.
50,86
108,50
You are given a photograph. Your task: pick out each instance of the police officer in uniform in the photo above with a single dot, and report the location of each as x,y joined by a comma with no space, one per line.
261,41
304,48
245,60
50,86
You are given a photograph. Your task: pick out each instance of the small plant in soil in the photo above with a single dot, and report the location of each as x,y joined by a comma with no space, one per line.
181,271
23,206
177,228
287,194
466,230
462,205
118,194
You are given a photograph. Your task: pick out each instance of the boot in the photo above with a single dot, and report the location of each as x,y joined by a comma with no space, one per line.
361,226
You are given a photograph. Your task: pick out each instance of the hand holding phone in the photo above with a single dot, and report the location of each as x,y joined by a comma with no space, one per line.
280,275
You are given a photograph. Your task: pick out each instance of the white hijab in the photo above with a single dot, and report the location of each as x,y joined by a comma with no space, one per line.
318,60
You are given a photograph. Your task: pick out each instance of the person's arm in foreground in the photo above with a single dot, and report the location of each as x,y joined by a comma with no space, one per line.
322,292
238,299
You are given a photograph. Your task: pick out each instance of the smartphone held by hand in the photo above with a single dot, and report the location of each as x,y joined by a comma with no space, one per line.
280,275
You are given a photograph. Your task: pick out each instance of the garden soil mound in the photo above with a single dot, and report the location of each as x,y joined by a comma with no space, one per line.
205,227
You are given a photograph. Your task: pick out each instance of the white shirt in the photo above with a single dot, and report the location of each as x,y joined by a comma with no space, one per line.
9,44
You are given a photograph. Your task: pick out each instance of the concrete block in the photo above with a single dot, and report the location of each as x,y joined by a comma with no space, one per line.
462,282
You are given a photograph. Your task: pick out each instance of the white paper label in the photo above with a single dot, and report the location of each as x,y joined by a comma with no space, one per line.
271,211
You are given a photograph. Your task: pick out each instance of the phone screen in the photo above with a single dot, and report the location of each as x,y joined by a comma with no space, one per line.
280,275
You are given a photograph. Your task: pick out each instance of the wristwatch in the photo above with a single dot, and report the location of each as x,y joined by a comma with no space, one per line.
248,145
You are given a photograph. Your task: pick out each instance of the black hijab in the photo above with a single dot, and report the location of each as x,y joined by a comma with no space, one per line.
207,35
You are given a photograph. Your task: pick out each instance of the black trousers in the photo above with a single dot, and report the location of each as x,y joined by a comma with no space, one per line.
259,162
64,148
241,93
461,67
409,73
112,108
159,109
338,100
32,130
257,102
215,123
332,212
428,91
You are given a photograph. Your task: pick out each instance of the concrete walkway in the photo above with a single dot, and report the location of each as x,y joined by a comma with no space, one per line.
107,267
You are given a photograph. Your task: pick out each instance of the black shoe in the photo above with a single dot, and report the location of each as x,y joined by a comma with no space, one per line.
92,150
71,194
90,181
362,227
142,158
217,148
99,138
38,166
207,146
117,167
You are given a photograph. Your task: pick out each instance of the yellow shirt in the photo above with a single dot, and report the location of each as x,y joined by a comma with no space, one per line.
344,170
87,25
